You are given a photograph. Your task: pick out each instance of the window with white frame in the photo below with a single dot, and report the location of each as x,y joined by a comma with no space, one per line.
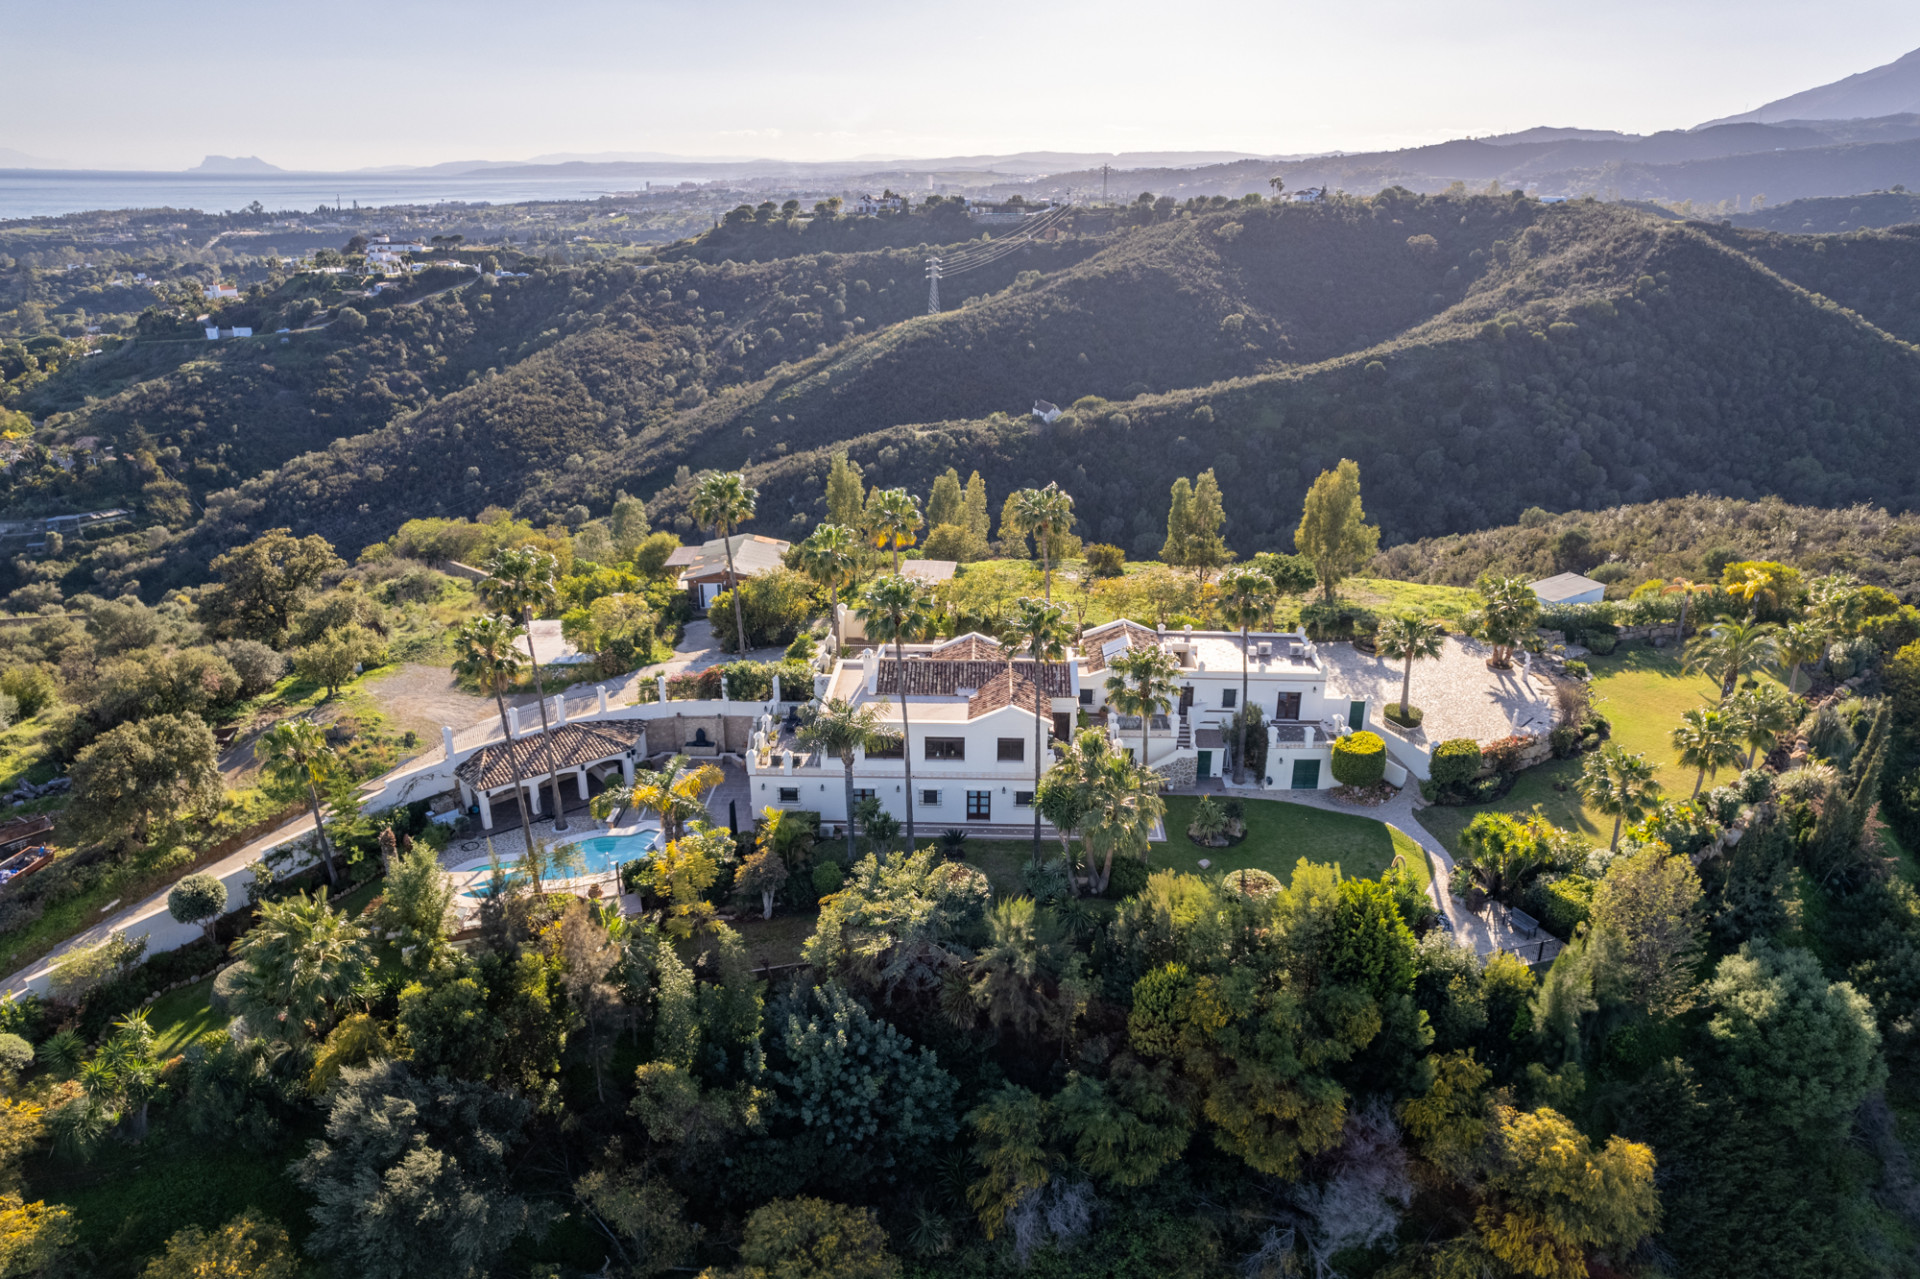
929,799
789,794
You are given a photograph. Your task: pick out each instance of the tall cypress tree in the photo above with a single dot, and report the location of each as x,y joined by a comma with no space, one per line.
1179,523
1206,549
846,498
978,517
945,505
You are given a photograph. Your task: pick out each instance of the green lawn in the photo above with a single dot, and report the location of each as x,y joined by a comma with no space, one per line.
1279,834
181,1016
1642,691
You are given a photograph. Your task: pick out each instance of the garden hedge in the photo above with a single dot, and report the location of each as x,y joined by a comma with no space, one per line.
1359,759
1455,762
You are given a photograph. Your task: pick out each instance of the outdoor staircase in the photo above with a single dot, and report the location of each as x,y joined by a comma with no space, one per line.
1185,740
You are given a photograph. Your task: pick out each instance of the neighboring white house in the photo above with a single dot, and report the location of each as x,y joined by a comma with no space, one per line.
868,206
215,334
1046,410
1568,588
219,292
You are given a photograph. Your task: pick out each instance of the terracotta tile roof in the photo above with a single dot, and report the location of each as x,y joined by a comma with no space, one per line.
971,647
1097,640
1002,690
573,745
932,677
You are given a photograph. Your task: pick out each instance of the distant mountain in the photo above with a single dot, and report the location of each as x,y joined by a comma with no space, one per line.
1890,90
235,164
11,159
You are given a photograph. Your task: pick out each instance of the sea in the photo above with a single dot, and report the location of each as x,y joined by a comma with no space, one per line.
34,193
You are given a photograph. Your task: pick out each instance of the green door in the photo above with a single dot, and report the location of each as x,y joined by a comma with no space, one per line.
1306,774
1205,767
1357,716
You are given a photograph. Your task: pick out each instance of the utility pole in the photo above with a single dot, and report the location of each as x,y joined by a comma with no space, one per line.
1105,169
933,286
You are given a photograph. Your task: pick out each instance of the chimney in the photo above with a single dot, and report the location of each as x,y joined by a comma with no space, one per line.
871,664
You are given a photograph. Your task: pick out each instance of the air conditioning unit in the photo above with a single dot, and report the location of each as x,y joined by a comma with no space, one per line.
1266,649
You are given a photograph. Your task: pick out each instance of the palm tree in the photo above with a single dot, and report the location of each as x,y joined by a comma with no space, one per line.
893,610
294,752
1797,644
1686,590
301,958
1760,716
1730,649
489,656
1124,804
1507,612
893,522
829,558
518,581
1620,785
723,503
1835,603
1142,684
1246,596
1042,630
1409,639
1046,514
841,729
675,793
1708,740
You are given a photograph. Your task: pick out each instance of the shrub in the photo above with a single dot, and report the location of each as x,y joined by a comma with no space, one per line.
1359,759
1104,560
1412,719
828,878
1129,877
1455,762
1253,884
16,1054
258,666
1560,904
1578,669
1602,642
32,689
801,649
1338,620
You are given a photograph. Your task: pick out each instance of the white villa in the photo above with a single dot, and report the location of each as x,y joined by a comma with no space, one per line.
970,722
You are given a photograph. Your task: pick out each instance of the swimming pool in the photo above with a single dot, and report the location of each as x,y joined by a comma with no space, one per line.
599,855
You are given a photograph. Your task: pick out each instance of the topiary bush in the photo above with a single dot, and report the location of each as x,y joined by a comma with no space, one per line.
16,1054
1455,762
828,878
1359,759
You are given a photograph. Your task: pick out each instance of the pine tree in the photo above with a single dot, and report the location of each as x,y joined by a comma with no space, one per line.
846,498
974,507
1206,549
945,503
1179,523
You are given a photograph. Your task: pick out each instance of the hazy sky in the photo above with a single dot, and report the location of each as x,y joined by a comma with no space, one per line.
134,83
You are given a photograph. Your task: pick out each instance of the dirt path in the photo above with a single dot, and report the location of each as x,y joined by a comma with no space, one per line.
423,698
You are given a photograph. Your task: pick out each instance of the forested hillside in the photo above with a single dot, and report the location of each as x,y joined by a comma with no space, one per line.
1478,355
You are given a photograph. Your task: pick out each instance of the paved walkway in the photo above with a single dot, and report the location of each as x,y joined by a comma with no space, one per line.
1398,813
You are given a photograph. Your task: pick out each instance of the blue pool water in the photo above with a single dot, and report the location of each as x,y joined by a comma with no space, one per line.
599,855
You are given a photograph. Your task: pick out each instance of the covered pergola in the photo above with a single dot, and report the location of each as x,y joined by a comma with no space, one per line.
578,749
